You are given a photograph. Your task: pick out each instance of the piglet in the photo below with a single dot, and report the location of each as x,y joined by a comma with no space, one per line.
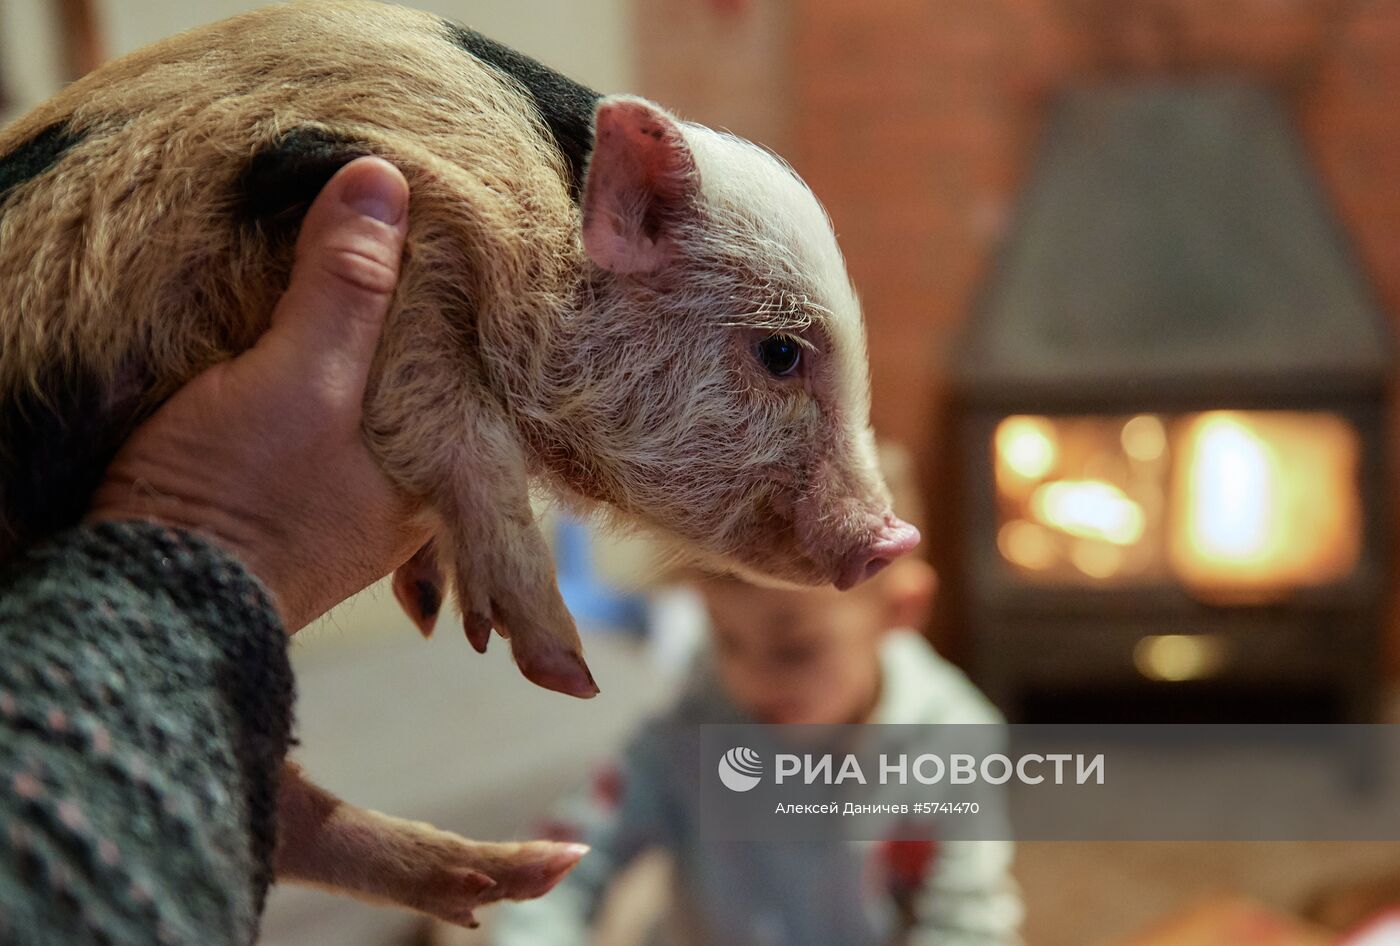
636,315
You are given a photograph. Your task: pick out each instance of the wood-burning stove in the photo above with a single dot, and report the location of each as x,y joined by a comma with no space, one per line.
1171,411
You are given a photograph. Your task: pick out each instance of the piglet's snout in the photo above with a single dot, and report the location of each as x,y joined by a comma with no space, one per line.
894,539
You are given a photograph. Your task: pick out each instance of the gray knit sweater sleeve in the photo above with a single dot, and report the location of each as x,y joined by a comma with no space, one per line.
145,710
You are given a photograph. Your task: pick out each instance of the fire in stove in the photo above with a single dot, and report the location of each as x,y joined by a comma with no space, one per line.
1244,505
1171,405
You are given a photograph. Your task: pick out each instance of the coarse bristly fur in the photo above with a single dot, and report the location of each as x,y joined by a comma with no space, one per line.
598,337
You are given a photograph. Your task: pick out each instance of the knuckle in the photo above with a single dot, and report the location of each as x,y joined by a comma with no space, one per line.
366,266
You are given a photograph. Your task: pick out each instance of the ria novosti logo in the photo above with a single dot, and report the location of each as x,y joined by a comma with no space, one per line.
740,769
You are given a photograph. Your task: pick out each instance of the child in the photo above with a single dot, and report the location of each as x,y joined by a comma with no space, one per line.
789,656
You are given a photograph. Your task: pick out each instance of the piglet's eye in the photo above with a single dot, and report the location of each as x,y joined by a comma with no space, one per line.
780,354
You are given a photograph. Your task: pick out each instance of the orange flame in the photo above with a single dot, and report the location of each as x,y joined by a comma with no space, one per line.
1265,501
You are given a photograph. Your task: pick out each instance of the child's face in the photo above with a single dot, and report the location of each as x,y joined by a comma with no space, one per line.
810,656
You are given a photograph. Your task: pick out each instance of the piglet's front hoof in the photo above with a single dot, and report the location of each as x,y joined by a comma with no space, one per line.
550,661
418,585
518,598
478,628
560,669
544,642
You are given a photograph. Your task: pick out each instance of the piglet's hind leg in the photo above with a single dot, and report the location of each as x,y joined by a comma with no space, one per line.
325,842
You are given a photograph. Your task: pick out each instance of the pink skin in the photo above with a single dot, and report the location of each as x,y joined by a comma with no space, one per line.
895,539
640,169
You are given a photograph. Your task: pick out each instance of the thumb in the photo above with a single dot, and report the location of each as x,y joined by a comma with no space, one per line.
347,263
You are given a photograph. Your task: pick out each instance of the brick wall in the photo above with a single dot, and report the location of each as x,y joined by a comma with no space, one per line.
915,121
725,63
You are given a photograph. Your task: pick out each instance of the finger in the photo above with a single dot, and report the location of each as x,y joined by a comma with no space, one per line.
347,264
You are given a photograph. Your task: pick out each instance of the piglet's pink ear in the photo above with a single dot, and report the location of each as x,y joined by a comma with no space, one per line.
641,187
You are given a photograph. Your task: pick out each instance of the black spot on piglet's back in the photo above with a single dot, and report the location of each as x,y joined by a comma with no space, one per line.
283,177
35,156
566,106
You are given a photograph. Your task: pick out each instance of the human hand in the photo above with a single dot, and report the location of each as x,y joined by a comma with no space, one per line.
264,453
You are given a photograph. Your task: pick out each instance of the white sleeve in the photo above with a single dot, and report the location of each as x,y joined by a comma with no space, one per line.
969,897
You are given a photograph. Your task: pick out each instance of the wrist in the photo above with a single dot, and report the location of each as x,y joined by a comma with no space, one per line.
234,535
